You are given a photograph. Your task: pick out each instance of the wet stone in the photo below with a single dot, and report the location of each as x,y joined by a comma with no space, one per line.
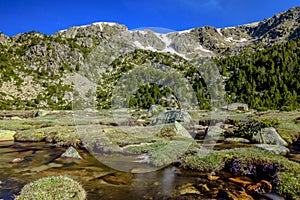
16,160
114,180
71,153
234,195
261,187
187,189
244,181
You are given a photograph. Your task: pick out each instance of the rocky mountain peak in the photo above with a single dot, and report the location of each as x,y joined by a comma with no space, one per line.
284,25
92,30
48,61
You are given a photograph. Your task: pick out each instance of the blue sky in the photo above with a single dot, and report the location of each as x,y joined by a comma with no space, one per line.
19,16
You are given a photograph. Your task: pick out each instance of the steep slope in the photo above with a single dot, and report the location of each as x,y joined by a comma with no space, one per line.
267,79
38,70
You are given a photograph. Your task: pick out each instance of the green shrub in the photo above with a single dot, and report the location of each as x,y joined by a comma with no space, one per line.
287,108
262,109
253,126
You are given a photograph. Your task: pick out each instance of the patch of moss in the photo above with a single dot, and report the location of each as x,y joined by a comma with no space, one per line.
287,128
6,134
290,185
30,136
59,135
53,187
289,174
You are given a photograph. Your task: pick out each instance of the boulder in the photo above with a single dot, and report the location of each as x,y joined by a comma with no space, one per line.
155,110
269,136
271,196
71,153
214,132
172,116
277,149
41,113
180,130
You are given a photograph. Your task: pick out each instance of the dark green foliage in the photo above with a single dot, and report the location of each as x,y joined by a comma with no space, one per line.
268,79
253,126
146,96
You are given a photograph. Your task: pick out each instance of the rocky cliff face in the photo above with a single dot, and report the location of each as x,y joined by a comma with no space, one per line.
37,70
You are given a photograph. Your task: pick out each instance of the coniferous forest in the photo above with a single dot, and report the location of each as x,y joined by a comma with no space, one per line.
267,79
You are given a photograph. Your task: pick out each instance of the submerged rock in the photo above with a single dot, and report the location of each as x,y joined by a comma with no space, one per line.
187,189
114,180
233,195
71,153
140,170
271,196
277,149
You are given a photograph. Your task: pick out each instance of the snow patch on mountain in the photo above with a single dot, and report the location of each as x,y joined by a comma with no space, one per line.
104,23
185,31
203,49
219,31
138,45
95,23
164,38
230,39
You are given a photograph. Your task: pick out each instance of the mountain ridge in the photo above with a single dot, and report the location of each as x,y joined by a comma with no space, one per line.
34,61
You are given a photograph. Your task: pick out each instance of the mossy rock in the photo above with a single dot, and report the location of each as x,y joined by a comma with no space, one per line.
53,187
30,136
6,135
59,135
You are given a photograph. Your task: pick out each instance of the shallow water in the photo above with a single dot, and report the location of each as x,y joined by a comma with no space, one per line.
41,159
